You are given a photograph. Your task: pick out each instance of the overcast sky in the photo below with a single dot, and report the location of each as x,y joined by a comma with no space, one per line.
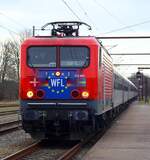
105,17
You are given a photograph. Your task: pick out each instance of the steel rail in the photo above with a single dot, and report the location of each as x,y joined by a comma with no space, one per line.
9,112
77,148
9,127
71,152
24,152
9,123
9,105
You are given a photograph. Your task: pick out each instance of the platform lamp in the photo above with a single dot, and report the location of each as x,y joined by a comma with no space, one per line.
139,77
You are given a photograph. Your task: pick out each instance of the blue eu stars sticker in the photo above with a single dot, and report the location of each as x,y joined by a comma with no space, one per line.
57,82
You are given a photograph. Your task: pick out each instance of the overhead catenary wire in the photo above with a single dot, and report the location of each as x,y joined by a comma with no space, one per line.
109,13
126,27
9,30
86,14
130,54
12,20
124,37
72,11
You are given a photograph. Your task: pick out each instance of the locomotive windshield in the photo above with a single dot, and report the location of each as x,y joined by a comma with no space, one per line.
42,57
74,56
58,57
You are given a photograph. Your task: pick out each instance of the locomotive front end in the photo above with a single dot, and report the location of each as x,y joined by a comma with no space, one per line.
57,88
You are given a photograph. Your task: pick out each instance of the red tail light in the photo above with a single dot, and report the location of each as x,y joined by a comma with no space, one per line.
75,93
40,93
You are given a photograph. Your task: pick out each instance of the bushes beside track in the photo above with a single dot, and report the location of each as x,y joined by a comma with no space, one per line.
9,90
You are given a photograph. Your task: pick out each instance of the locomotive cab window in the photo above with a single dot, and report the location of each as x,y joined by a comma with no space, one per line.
42,56
52,57
74,57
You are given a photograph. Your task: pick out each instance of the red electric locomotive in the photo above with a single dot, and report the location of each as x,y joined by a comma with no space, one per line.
66,83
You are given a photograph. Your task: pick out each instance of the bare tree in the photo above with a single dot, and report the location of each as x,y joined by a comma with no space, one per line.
16,48
5,61
6,57
9,64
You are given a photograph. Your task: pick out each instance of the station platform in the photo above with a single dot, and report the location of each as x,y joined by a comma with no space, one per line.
127,139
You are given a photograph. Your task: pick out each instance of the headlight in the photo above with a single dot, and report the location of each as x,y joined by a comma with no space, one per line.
57,73
30,94
85,94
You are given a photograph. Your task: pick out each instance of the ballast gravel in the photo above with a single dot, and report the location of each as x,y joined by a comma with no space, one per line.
46,154
14,141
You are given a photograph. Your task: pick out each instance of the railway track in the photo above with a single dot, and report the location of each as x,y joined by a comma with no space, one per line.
9,112
70,153
67,155
24,152
9,126
9,105
37,146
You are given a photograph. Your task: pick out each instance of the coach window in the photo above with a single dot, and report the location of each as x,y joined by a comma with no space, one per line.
74,57
41,56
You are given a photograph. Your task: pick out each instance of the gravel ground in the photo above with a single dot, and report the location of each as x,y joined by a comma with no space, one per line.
14,141
9,118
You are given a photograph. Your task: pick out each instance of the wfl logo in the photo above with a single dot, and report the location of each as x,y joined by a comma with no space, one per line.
57,82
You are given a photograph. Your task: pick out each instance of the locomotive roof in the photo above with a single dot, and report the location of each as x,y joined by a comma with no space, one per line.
88,40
